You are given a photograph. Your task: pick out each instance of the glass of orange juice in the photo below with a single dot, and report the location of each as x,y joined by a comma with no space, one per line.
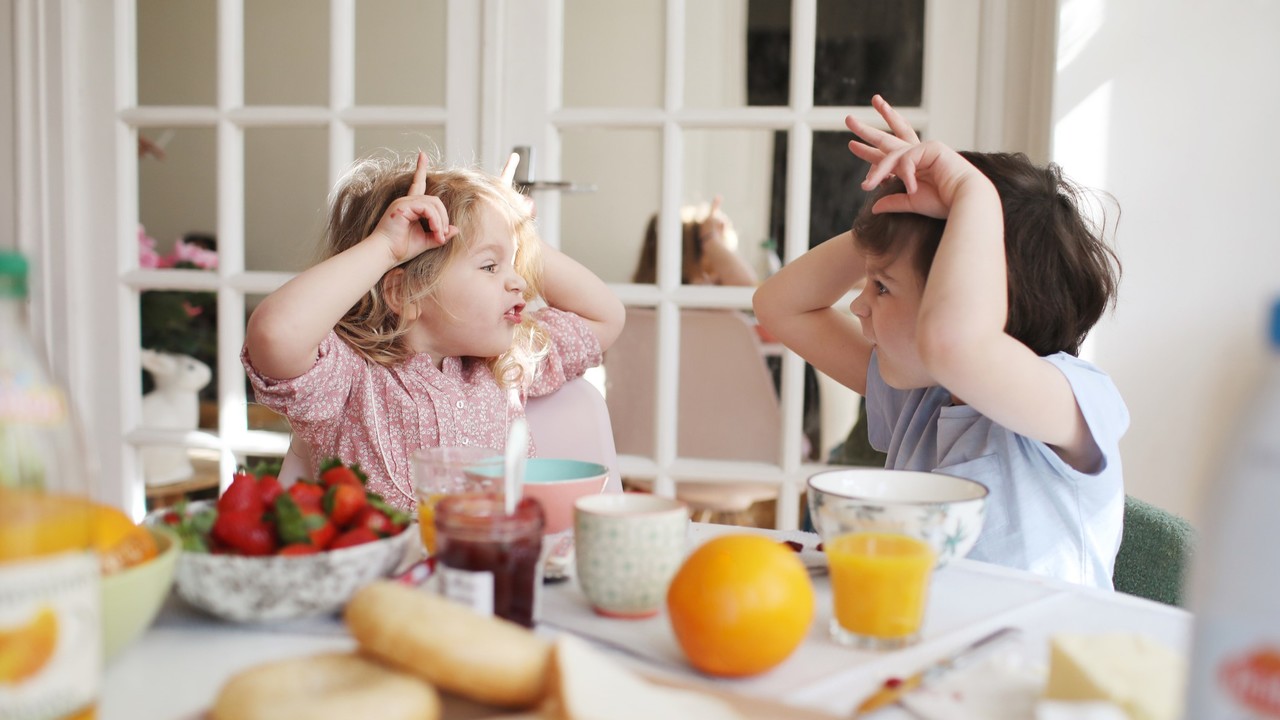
879,588
442,471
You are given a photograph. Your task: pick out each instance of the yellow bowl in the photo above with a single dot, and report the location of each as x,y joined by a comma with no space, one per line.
132,597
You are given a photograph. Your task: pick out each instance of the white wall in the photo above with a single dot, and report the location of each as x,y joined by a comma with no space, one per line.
8,135
1173,107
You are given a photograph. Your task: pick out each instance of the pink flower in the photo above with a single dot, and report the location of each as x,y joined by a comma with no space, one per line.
147,255
194,254
191,310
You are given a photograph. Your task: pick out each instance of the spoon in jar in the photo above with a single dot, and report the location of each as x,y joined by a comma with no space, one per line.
517,453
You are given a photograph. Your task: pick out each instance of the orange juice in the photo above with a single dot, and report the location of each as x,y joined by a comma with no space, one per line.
427,520
879,585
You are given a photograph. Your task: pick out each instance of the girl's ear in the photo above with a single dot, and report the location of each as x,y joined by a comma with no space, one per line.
393,294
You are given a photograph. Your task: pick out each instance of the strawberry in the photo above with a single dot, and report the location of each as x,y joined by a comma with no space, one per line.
306,494
342,502
268,488
298,549
241,496
354,536
374,520
334,472
320,529
399,518
245,532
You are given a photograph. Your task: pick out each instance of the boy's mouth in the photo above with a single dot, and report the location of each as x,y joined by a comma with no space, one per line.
513,314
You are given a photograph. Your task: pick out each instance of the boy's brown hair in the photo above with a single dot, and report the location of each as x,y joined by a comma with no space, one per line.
1061,274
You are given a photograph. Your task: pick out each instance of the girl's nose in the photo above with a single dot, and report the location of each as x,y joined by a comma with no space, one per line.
516,282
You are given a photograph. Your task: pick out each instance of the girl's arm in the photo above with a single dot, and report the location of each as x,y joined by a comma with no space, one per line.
284,333
567,285
964,308
795,305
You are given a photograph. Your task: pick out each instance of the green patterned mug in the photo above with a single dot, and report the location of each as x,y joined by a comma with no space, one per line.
629,546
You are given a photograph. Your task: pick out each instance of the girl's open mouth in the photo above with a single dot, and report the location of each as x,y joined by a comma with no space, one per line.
513,315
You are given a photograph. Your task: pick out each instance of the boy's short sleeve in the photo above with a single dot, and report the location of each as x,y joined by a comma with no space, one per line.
574,348
320,393
884,405
1100,402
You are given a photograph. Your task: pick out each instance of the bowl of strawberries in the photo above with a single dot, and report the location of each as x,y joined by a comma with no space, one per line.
263,552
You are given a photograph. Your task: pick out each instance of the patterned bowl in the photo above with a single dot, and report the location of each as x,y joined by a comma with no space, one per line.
944,511
259,589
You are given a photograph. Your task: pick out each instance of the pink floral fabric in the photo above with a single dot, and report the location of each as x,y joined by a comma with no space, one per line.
348,407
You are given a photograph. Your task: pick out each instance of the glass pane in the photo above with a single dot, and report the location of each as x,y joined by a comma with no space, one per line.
631,367
738,166
379,140
388,34
177,194
613,53
286,188
737,53
177,52
604,230
867,47
836,195
286,53
179,340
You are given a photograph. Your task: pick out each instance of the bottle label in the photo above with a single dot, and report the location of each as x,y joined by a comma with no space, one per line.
50,636
23,399
471,588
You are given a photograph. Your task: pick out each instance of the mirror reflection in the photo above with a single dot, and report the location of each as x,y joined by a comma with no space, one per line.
177,52
384,29
297,77
607,41
285,185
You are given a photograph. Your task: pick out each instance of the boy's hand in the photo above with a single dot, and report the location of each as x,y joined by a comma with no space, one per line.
415,222
932,173
879,142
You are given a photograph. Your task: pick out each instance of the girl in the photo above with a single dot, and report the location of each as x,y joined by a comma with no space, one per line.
709,257
415,331
982,280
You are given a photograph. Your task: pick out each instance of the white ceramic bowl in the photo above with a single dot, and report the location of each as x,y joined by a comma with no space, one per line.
259,589
942,510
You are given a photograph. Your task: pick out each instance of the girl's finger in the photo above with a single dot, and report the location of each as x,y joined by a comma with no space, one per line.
509,169
419,184
900,127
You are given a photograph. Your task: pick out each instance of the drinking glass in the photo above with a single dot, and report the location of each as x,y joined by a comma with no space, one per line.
879,588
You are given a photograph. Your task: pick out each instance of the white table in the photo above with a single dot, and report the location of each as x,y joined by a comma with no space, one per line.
176,668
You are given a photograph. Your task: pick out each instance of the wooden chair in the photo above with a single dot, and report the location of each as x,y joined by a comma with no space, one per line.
572,423
1155,553
728,408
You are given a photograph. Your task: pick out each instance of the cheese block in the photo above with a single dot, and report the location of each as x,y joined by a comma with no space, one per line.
1142,677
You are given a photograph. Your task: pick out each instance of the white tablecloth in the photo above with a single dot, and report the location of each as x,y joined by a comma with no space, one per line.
175,670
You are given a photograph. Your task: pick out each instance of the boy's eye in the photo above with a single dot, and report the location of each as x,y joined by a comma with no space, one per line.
880,288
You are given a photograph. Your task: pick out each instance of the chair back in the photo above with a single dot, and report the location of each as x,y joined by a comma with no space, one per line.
570,423
727,409
1155,553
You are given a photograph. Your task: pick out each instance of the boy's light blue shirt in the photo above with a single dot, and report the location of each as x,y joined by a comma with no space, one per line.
1042,515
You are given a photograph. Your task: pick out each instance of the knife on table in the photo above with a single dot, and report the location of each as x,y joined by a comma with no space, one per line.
894,688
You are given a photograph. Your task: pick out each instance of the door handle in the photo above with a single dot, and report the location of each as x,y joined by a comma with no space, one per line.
526,177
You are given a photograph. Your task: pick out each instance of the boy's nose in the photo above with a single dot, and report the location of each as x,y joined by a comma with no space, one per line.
859,305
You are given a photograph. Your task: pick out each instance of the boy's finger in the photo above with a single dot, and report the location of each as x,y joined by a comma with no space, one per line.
419,184
715,206
900,127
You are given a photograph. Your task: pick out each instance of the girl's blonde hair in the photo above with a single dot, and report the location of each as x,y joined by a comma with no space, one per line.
358,203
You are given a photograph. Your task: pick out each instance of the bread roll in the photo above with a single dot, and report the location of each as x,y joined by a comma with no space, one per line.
334,686
486,659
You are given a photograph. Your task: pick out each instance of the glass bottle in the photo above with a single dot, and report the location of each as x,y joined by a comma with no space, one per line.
1235,652
488,560
50,599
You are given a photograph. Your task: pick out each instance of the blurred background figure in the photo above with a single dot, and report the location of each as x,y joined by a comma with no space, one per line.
709,249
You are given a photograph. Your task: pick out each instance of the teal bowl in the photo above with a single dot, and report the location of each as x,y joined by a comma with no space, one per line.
556,483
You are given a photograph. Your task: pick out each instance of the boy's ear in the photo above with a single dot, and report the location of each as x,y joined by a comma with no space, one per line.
393,294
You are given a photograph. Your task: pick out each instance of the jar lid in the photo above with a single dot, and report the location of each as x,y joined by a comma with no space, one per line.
13,274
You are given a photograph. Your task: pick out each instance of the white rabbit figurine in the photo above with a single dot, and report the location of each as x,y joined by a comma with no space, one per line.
173,404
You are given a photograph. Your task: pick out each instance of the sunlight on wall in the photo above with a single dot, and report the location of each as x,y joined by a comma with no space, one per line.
1078,22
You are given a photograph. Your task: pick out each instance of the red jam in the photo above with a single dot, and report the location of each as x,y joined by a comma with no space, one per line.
488,559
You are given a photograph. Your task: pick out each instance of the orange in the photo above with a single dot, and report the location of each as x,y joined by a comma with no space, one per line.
740,605
120,543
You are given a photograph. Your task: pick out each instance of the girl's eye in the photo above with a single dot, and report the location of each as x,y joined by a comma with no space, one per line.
490,267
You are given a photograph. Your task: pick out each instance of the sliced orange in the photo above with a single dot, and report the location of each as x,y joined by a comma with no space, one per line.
120,543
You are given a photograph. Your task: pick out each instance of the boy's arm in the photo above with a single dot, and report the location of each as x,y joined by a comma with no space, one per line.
795,305
567,285
284,333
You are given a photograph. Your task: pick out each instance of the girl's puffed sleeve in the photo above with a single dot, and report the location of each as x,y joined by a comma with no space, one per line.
317,395
574,348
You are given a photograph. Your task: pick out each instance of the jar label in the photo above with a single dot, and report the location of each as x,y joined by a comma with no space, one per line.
471,588
50,636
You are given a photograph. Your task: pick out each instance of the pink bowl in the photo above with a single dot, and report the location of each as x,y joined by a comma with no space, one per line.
556,484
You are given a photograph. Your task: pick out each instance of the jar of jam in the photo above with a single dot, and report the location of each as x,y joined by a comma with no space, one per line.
487,559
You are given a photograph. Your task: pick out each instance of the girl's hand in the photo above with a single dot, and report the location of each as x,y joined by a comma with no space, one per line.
712,229
879,142
508,177
416,222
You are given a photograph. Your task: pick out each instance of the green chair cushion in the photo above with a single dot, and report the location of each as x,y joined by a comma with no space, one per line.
1155,553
